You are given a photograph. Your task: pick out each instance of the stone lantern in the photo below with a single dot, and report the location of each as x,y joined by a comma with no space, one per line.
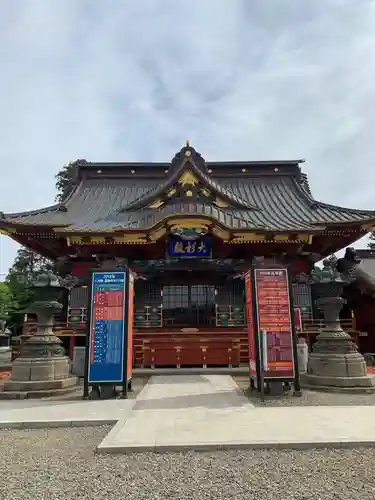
5,349
335,361
42,369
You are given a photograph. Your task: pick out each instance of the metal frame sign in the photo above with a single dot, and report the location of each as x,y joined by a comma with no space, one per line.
275,318
108,329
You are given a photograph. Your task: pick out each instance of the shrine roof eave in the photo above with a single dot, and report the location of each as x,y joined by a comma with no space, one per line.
361,226
367,223
364,226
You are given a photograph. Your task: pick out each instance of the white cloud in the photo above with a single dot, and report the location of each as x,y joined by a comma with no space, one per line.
132,80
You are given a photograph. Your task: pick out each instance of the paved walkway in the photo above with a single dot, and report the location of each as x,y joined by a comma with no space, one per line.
208,412
34,414
198,412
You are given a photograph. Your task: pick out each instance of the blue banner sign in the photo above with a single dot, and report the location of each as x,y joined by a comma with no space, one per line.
178,247
107,327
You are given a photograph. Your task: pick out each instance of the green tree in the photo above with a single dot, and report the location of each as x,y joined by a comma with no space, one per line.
5,301
26,267
66,181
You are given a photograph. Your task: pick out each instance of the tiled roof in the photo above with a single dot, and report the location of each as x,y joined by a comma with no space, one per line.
274,201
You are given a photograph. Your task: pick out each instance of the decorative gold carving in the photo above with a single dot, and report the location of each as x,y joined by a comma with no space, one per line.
221,233
156,204
281,237
188,153
368,226
156,235
305,238
125,239
248,237
172,192
221,203
262,238
206,192
78,231
188,179
188,222
7,231
189,193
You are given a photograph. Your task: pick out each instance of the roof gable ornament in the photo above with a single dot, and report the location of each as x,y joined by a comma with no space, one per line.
188,179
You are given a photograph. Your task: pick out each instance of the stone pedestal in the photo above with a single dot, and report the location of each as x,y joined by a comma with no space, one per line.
42,368
5,358
5,353
336,363
5,349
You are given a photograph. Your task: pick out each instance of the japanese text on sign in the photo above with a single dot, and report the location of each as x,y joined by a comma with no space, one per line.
274,318
106,347
190,248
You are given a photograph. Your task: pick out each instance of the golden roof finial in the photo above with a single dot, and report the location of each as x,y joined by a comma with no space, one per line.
187,143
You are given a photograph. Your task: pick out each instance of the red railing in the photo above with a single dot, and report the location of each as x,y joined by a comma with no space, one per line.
176,347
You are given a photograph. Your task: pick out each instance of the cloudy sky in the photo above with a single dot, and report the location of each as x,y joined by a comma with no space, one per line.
131,80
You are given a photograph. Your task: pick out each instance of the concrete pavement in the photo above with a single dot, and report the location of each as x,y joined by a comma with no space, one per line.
198,412
34,414
208,412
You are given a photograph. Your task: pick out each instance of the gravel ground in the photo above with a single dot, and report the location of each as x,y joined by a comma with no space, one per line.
61,464
308,398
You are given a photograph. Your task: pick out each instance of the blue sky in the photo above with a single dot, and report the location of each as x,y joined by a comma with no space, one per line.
131,80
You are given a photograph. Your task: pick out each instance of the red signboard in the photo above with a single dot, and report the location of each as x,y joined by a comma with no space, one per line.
274,319
130,325
250,324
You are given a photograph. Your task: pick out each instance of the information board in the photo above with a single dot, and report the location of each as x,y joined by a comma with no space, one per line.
250,325
107,341
130,325
274,319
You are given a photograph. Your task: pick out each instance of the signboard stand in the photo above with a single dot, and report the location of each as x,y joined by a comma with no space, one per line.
262,362
272,338
109,340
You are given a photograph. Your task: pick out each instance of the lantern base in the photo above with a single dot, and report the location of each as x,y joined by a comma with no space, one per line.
340,371
5,358
39,377
364,384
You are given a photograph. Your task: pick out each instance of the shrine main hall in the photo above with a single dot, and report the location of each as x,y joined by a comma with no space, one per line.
188,229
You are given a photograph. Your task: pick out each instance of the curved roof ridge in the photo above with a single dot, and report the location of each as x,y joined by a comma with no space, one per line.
346,209
52,208
303,193
315,205
57,207
309,197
